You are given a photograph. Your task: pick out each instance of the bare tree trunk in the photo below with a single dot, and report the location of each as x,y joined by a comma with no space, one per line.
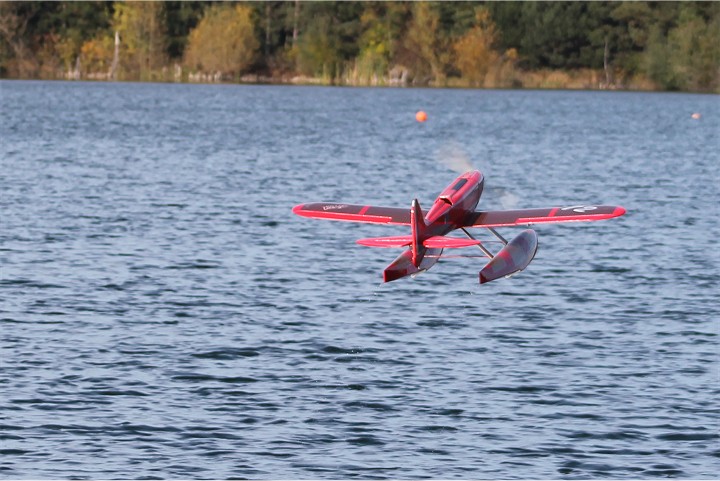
112,74
151,49
76,72
605,64
295,21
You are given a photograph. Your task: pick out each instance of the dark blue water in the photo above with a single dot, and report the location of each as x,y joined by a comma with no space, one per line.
163,314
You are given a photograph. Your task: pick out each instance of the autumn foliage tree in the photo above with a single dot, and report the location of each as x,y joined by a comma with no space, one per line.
97,55
223,41
474,51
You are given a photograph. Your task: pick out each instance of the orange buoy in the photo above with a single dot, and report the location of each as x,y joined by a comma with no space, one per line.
421,116
696,115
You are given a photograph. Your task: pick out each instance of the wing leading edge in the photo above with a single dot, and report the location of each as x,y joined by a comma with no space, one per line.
369,214
575,213
372,214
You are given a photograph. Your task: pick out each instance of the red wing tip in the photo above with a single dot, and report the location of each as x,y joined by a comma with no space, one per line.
619,211
298,208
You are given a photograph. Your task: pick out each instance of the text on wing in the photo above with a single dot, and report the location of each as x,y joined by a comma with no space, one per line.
334,206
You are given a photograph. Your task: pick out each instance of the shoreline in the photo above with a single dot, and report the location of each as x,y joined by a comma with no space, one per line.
317,82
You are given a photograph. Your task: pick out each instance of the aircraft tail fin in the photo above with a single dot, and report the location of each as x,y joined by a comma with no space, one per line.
417,224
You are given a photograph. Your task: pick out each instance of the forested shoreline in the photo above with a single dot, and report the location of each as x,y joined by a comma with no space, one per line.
587,45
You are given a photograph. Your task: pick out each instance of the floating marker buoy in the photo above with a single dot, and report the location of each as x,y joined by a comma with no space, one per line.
696,115
421,116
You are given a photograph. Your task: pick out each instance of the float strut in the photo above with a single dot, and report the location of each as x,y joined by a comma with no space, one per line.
482,247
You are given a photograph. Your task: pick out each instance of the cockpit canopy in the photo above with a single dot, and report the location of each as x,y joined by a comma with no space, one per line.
451,194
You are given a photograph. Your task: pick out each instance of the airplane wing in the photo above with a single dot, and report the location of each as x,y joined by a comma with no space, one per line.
370,214
574,213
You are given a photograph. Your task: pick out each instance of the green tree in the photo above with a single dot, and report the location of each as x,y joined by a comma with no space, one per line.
430,45
633,20
377,40
181,17
655,60
328,37
508,18
318,51
694,51
557,35
683,53
383,25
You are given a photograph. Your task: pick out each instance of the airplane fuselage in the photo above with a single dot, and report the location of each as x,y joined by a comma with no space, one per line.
452,206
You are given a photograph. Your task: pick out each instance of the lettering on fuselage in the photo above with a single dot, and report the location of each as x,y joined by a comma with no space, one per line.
334,206
580,209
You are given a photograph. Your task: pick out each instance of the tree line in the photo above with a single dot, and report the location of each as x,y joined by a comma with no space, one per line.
649,45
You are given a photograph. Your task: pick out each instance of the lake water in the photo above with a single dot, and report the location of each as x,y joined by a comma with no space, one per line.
163,314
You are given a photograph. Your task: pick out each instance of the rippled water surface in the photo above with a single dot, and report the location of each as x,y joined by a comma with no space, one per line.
163,314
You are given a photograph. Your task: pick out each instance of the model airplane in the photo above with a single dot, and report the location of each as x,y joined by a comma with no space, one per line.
455,209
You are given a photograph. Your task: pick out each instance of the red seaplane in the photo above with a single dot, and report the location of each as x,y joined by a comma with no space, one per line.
454,209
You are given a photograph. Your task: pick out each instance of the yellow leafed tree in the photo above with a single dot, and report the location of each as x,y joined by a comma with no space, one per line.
474,54
142,36
223,41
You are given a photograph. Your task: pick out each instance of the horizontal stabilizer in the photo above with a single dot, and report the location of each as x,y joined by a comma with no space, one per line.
396,241
435,242
442,242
